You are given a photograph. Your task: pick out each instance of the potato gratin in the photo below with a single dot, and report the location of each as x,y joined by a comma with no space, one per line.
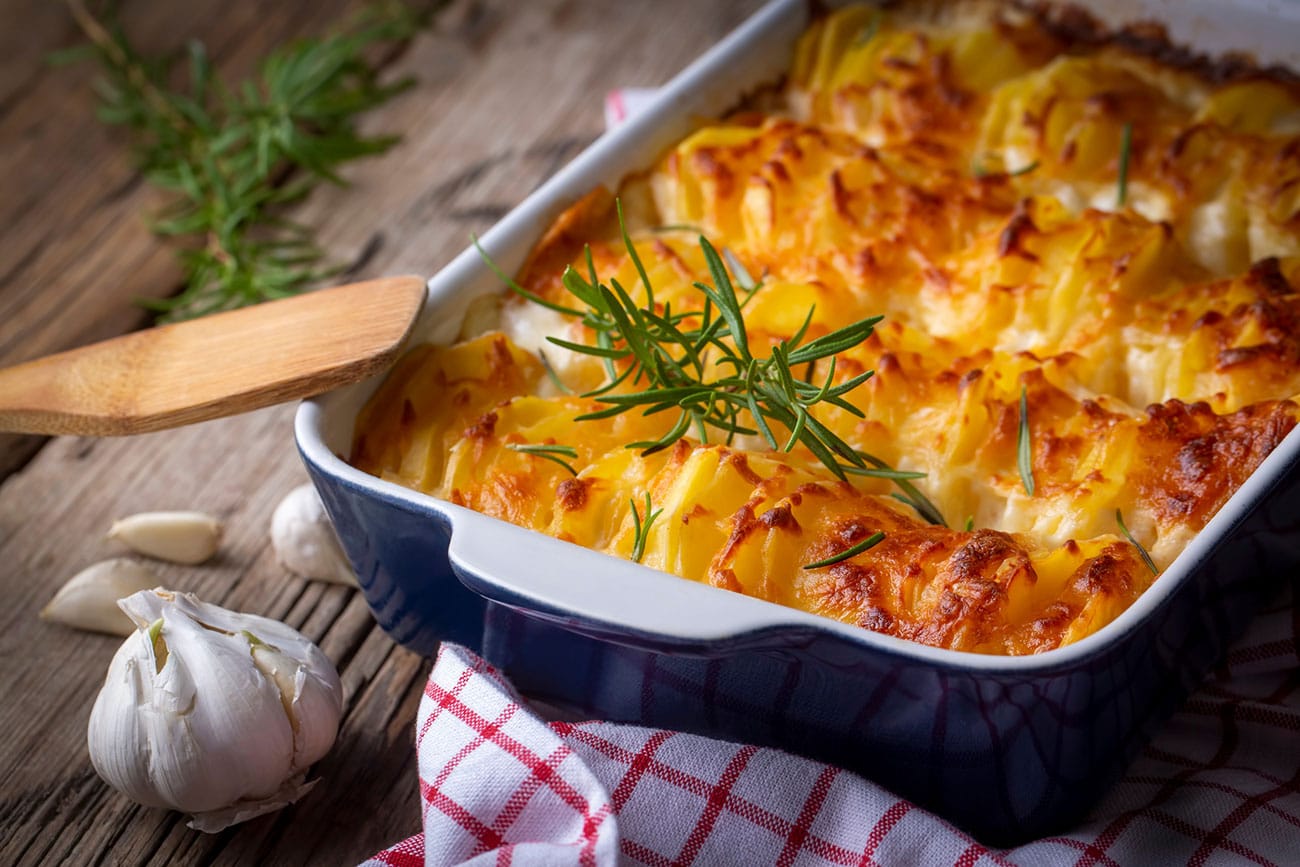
1102,224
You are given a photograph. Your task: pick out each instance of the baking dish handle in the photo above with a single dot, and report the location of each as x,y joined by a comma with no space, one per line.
617,600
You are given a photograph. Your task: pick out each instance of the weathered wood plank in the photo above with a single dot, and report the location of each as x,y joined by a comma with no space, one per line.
508,92
76,249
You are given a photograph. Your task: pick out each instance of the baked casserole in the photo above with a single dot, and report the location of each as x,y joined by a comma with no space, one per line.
1056,269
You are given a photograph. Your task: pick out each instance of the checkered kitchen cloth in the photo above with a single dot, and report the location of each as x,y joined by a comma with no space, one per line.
500,785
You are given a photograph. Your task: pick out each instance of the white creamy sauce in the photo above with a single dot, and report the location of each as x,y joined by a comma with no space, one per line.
1207,232
1151,204
528,325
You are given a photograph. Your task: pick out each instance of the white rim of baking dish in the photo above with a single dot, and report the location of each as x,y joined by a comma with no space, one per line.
562,581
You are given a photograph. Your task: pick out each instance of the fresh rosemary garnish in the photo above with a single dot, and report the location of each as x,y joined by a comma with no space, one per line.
1146,558
233,157
640,528
870,542
553,453
1125,146
700,365
1024,445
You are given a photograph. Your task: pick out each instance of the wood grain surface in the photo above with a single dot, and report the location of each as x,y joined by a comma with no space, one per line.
508,92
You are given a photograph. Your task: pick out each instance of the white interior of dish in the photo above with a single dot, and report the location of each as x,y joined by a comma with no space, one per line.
606,589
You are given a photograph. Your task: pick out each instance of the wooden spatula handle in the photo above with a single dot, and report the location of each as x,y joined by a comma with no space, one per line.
220,365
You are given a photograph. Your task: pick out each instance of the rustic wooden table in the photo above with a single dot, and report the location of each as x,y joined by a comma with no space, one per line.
507,93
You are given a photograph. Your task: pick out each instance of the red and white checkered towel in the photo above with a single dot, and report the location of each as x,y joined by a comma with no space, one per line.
500,785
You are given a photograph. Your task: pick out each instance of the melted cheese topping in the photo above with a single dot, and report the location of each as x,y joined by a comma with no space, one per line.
961,178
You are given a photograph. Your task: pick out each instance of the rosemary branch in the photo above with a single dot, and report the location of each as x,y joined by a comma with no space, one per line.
699,364
231,157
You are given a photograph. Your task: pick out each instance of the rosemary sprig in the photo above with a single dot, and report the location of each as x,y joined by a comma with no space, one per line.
870,542
669,358
1024,445
1146,558
554,453
641,528
233,157
1125,147
699,364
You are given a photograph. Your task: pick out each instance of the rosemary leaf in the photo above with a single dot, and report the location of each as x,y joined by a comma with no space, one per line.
1125,147
553,453
743,277
552,375
677,227
723,294
631,252
870,30
599,351
870,542
1146,558
1024,445
978,170
515,287
874,473
641,527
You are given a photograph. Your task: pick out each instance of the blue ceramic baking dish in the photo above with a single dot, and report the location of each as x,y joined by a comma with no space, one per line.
1007,748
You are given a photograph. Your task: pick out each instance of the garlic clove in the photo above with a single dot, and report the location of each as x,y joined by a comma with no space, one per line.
304,539
212,712
179,537
114,737
310,705
237,741
89,599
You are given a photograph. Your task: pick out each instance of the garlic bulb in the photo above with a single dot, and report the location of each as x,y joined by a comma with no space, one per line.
89,599
304,539
210,712
179,537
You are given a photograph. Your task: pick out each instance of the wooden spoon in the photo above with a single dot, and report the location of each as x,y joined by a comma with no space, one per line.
217,366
